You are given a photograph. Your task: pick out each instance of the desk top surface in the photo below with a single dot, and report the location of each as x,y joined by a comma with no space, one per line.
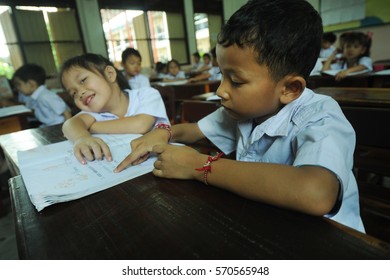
370,97
154,218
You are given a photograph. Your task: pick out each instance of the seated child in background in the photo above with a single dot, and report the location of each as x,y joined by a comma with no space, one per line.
131,62
206,65
48,107
159,70
196,63
213,74
327,48
356,55
101,92
174,72
294,148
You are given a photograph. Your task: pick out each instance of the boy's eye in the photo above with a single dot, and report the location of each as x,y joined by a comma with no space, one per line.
236,84
83,81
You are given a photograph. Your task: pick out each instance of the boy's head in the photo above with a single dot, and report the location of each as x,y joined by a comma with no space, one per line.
131,62
206,58
196,57
28,78
173,67
328,39
285,35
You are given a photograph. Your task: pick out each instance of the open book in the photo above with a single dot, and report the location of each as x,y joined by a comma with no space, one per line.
334,72
13,110
52,173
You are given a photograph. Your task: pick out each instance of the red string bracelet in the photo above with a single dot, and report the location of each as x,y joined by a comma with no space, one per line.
207,166
166,127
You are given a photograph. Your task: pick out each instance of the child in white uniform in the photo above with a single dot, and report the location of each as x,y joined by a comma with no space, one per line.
101,92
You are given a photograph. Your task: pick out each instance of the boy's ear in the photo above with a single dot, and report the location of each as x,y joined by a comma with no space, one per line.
110,73
292,89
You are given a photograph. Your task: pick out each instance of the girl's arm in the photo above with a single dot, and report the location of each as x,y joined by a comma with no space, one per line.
86,147
141,123
344,73
308,189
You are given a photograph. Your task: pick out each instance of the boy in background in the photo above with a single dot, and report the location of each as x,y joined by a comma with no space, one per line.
131,62
293,148
48,107
327,44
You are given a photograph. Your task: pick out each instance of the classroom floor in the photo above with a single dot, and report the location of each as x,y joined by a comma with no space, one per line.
8,249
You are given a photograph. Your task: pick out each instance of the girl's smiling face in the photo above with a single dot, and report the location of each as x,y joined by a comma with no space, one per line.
90,91
247,89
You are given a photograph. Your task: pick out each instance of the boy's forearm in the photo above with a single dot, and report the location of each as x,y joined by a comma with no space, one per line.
186,133
311,190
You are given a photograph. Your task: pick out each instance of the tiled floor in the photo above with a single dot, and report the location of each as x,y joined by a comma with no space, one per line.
8,250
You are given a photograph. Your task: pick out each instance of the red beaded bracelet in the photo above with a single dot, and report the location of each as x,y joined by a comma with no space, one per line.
166,127
207,166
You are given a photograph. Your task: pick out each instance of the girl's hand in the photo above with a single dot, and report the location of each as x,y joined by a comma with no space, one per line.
91,148
341,75
142,146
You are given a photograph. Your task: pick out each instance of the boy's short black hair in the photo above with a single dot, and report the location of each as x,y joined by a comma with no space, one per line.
206,55
329,37
196,54
285,34
129,52
31,71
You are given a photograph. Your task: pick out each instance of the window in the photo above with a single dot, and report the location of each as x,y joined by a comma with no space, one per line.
43,35
157,35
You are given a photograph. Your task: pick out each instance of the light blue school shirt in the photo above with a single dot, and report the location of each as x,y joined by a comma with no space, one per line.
139,81
311,130
342,65
47,105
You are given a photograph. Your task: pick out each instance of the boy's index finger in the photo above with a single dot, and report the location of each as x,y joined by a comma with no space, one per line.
129,160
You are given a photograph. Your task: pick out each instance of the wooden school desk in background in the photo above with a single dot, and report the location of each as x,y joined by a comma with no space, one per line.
14,118
368,110
154,218
363,80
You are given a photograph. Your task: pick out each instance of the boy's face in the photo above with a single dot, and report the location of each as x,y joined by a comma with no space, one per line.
247,89
173,68
132,66
26,88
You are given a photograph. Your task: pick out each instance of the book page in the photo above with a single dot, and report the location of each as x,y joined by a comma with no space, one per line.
52,173
13,110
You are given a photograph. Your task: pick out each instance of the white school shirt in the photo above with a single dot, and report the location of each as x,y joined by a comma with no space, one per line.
215,73
139,81
342,65
325,53
179,75
146,100
311,130
48,107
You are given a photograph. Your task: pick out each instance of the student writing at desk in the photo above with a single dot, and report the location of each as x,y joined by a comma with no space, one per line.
355,47
294,148
101,92
48,107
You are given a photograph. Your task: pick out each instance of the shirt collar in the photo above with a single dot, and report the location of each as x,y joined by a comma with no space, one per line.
38,91
278,124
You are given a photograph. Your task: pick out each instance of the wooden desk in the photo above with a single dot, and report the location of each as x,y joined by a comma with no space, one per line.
360,97
364,80
14,123
154,218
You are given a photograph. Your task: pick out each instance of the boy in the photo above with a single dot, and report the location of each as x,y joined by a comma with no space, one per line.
48,107
327,48
294,148
131,62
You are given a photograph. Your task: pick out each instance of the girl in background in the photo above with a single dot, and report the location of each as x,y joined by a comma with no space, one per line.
174,72
356,55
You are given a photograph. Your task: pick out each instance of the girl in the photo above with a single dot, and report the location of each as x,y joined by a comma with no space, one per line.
101,92
174,72
356,55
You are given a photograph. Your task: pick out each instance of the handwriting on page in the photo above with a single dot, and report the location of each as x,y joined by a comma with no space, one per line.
52,174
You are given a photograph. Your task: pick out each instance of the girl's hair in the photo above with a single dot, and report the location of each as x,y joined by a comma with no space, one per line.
94,63
357,38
